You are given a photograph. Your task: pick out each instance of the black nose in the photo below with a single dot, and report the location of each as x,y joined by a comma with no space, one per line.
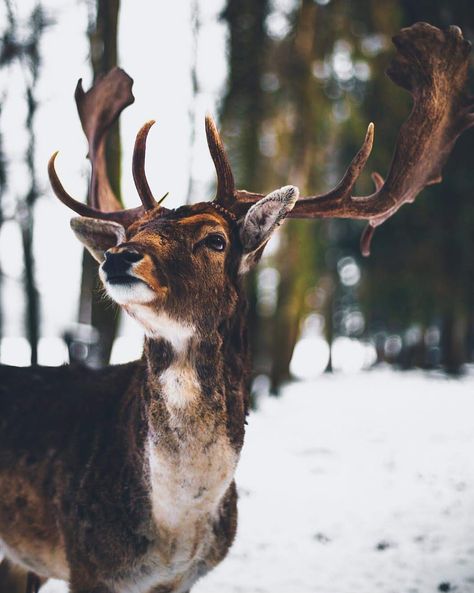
117,265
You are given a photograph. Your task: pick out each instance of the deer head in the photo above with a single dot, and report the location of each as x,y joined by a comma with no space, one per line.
184,264
189,260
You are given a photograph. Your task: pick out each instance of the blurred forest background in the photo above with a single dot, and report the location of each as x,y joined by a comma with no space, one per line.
304,78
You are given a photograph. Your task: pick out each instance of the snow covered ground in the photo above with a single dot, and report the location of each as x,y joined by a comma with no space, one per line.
356,484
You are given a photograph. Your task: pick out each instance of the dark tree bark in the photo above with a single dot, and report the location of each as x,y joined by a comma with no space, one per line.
93,309
32,317
297,269
3,185
242,115
31,62
195,25
27,226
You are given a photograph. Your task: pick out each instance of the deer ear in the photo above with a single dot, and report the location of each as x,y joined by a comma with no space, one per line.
261,220
97,235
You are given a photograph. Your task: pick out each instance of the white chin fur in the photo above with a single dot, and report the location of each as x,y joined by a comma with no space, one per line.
161,325
127,294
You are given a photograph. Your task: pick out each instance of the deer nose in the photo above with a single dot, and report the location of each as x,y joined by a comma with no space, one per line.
119,263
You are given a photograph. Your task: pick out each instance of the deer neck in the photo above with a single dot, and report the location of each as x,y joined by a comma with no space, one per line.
173,378
195,409
184,370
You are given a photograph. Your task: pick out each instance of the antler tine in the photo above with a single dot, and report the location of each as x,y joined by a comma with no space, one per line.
225,179
342,192
138,167
124,217
244,199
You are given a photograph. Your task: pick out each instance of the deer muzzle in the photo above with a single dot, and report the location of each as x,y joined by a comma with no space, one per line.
117,266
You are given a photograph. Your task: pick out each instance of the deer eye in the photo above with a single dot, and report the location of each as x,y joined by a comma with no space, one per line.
215,242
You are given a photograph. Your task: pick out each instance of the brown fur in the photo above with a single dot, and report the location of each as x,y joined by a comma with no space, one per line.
78,497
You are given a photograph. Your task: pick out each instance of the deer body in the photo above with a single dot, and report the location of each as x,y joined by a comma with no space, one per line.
122,479
135,489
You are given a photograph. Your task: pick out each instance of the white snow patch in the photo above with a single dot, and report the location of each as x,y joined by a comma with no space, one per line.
342,466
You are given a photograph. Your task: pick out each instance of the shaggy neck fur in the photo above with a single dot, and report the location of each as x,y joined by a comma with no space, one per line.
195,396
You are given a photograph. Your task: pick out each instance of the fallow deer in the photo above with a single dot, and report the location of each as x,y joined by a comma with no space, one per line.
121,479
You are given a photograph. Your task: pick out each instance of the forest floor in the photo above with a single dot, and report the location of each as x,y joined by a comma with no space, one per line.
356,484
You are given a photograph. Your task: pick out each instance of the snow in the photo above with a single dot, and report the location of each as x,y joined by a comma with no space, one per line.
358,483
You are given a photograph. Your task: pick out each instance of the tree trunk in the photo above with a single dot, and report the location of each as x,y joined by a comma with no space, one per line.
32,316
329,323
32,298
93,308
297,265
243,110
453,343
3,185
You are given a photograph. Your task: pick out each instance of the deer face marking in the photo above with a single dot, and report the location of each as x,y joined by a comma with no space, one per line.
182,267
172,269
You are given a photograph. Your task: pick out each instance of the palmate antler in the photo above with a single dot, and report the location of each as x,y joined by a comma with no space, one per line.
98,109
432,65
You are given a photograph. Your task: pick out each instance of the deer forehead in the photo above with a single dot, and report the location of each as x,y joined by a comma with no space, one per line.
188,224
203,218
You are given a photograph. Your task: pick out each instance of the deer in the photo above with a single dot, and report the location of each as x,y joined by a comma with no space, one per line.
121,479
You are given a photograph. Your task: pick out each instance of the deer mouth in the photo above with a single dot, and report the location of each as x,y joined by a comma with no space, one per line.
121,279
129,290
125,288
